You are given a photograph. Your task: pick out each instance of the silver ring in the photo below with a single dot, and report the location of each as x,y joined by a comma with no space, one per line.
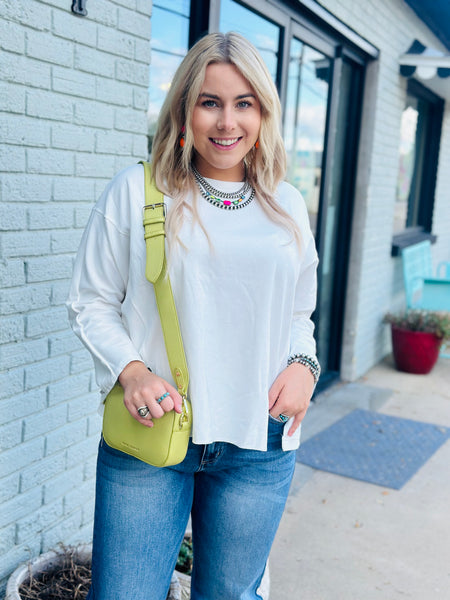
143,411
283,418
159,400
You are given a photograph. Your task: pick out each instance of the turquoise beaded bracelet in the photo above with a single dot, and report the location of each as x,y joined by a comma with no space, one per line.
307,361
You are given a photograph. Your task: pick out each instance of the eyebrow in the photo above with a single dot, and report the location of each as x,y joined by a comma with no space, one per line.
215,97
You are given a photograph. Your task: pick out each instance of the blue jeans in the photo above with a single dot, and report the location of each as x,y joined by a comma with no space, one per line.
236,498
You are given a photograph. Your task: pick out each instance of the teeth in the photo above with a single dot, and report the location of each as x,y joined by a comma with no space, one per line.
225,142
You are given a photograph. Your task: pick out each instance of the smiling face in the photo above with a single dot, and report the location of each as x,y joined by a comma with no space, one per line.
225,123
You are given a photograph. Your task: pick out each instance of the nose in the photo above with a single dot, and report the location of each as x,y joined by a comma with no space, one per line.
226,120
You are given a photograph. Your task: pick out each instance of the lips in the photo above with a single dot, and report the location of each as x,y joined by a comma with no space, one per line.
225,142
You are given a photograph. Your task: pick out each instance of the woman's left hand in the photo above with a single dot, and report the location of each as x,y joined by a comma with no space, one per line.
291,394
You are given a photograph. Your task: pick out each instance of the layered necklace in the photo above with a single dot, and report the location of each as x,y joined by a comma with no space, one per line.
225,200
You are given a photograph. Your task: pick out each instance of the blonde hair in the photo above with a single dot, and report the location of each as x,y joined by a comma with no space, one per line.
266,166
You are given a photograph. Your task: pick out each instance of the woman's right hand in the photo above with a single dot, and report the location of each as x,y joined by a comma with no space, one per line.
143,388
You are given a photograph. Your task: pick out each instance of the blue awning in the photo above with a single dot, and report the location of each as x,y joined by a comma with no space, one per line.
429,66
424,62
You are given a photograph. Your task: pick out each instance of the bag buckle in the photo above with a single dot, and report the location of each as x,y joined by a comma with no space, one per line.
157,205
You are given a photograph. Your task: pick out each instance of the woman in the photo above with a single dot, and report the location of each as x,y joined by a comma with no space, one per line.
242,264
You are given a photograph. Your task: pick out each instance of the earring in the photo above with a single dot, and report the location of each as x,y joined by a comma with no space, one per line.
183,129
257,144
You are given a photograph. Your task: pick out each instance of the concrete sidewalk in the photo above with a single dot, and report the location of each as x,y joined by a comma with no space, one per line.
342,539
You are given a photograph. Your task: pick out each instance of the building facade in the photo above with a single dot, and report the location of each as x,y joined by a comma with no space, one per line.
79,97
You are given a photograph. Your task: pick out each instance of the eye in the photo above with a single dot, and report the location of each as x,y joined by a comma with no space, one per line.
244,104
209,103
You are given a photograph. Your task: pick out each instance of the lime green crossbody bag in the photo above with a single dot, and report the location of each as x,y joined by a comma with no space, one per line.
166,442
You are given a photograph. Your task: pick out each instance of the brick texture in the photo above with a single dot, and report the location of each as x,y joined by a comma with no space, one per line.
73,91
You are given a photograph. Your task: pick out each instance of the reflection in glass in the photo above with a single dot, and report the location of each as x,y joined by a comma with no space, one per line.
408,170
263,34
305,119
169,43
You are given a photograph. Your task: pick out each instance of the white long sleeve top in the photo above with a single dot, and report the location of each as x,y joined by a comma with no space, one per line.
244,307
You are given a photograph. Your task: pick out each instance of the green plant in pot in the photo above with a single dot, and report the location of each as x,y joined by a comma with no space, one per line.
417,336
185,556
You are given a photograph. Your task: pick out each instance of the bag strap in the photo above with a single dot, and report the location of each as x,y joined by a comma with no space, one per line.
156,272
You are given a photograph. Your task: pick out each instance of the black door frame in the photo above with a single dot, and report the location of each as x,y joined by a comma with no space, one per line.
345,209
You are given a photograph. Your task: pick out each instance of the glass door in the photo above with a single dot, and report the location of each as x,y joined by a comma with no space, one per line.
321,118
335,211
305,118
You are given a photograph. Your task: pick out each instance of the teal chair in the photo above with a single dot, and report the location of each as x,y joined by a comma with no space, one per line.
443,270
422,289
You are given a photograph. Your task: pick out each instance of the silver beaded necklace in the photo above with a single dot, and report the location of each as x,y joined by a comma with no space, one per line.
225,200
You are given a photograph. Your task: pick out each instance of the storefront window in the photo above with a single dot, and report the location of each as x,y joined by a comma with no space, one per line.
169,43
262,33
409,167
419,149
305,119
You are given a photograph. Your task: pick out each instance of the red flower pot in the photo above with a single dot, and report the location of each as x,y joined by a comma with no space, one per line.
414,351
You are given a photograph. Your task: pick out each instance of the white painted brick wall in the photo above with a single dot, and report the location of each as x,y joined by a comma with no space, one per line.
73,101
375,279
